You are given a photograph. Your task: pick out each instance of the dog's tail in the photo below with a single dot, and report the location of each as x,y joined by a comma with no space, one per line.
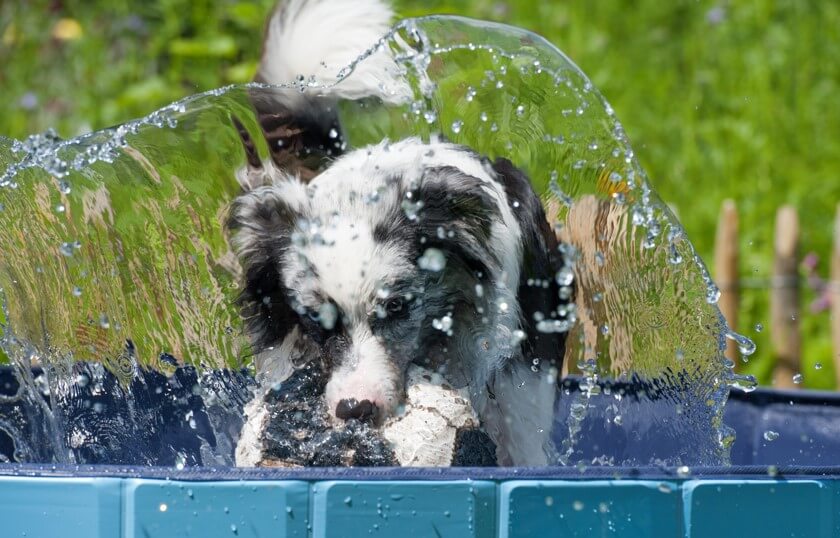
308,45
319,38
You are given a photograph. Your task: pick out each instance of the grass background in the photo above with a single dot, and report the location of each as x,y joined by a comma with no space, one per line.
721,99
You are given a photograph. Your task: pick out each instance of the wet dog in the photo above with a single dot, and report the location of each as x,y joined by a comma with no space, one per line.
371,259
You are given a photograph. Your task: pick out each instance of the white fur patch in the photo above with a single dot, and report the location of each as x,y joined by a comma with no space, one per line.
351,266
367,373
319,38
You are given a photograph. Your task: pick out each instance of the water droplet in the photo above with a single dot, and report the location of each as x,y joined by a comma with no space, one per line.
327,315
104,322
163,507
818,366
712,294
520,110
411,208
333,133
746,383
578,506
479,290
432,260
430,116
770,435
683,471
759,327
797,378
443,324
565,276
77,291
456,126
66,249
674,256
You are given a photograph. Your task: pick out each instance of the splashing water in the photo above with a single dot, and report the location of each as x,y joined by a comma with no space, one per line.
114,249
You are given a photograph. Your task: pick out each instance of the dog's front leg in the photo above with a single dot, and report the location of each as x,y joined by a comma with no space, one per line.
517,411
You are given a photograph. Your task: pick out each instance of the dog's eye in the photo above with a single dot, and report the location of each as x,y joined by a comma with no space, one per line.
396,306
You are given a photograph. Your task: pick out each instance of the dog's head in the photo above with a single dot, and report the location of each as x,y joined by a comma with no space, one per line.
401,253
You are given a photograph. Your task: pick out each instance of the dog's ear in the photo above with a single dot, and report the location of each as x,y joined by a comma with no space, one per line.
541,260
261,222
455,214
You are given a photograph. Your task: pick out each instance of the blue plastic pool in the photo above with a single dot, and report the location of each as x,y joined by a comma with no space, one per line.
784,487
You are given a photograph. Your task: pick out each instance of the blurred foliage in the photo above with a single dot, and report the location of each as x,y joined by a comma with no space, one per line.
721,99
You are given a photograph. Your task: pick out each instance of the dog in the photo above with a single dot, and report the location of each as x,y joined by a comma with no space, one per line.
412,251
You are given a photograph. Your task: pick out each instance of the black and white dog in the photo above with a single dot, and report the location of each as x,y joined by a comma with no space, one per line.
404,252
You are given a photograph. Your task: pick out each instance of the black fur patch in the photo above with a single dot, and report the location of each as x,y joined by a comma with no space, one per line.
263,301
540,262
456,217
301,136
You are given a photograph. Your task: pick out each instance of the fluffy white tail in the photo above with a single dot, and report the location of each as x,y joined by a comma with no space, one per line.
319,38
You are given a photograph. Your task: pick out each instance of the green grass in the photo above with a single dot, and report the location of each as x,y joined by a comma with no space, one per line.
721,100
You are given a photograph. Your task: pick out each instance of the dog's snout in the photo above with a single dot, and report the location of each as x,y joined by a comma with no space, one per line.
364,411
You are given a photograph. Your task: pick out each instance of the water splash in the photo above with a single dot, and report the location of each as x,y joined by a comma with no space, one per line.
125,225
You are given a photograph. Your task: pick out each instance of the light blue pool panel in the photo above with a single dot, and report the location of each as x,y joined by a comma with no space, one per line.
76,507
794,509
402,509
590,508
169,509
71,507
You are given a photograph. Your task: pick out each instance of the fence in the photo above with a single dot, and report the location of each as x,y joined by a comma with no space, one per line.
785,289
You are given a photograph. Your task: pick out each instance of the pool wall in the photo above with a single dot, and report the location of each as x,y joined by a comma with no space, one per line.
124,506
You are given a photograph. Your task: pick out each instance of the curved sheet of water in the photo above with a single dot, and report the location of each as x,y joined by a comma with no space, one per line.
114,248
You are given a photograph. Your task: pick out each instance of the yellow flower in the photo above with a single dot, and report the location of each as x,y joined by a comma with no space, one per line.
67,30
10,35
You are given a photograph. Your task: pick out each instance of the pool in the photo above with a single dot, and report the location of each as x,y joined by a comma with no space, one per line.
753,497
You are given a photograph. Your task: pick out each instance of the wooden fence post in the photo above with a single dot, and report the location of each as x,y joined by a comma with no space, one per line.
784,300
834,282
726,270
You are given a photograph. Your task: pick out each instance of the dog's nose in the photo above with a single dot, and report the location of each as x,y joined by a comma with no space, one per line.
364,411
